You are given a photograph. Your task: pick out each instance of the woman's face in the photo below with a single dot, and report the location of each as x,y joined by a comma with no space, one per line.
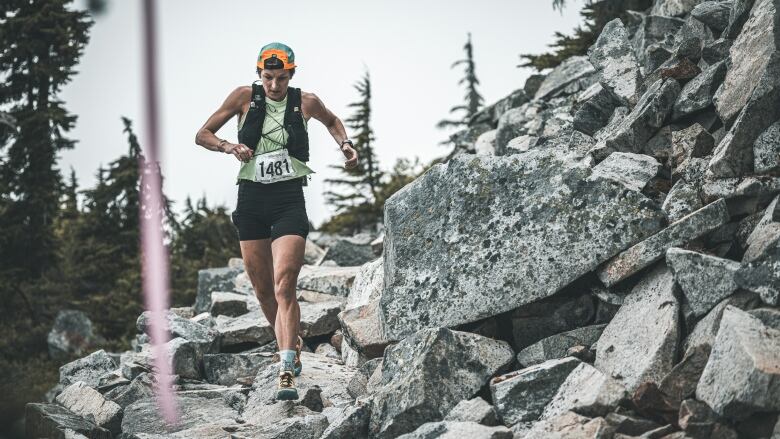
275,82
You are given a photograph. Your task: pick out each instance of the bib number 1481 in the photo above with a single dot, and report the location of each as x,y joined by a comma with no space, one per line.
274,168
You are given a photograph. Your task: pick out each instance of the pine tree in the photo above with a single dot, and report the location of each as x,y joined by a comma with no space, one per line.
363,181
596,15
41,40
473,100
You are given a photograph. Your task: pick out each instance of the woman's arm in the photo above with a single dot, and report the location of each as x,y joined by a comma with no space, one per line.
206,135
317,109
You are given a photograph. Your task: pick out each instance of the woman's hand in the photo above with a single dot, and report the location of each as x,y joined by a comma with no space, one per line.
239,150
351,155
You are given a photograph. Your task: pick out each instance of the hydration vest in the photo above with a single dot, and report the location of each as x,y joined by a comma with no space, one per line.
297,137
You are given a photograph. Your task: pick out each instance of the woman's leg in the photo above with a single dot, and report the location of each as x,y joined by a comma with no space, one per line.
258,261
288,253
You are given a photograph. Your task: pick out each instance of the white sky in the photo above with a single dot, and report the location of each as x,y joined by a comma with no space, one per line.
207,48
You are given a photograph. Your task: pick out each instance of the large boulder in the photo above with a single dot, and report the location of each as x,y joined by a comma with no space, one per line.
616,63
566,78
586,391
225,369
640,343
705,280
195,409
557,346
347,251
336,281
742,374
546,318
697,94
88,369
428,373
458,429
478,236
766,150
57,422
71,334
633,170
214,279
251,327
714,14
90,404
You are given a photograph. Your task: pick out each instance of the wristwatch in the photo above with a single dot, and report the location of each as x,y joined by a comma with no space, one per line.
346,141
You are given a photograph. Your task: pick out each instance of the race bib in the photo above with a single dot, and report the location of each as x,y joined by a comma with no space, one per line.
273,166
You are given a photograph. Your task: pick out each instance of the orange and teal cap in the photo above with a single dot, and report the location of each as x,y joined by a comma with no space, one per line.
276,56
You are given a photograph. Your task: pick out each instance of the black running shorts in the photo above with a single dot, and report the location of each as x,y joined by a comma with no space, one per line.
270,210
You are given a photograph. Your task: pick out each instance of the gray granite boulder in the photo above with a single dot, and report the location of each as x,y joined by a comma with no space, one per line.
426,374
357,386
88,403
252,327
556,346
705,280
313,254
491,113
586,391
697,94
458,429
229,304
88,369
766,150
349,251
143,416
350,422
225,369
319,318
362,329
205,338
640,343
596,106
570,425
682,200
762,275
673,8
692,142
518,251
641,255
680,383
572,70
140,387
522,395
655,31
485,144
473,410
214,279
633,170
741,376
367,285
714,14
616,63
336,281
703,334
71,334
56,422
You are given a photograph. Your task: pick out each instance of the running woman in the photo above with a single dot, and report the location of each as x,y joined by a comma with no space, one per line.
271,213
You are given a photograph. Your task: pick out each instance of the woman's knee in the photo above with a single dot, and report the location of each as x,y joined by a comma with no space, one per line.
284,286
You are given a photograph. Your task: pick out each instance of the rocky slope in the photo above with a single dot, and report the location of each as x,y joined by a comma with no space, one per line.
600,258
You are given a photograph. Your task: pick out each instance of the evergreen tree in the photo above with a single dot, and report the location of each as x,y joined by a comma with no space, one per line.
596,15
473,100
362,182
41,42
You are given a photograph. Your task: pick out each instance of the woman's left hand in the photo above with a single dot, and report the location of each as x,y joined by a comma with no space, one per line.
351,155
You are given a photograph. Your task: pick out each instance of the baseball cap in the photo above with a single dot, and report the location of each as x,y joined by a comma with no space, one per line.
276,56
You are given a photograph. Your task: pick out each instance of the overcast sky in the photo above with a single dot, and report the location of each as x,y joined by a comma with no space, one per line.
208,48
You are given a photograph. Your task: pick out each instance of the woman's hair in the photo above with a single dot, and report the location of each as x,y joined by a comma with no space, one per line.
292,72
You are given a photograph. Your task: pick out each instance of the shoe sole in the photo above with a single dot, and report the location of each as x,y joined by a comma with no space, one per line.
286,394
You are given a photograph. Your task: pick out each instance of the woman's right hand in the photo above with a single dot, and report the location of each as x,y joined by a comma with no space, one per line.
239,150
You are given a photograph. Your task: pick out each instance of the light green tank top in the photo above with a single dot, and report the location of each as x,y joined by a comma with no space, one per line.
274,137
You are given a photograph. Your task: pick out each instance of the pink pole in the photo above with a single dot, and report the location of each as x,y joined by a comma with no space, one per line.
153,252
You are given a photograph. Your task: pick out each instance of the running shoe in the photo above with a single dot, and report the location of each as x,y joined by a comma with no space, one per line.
286,389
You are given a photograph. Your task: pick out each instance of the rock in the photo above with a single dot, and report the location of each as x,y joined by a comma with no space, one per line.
213,279
682,69
705,279
680,382
313,254
367,285
641,255
715,52
706,329
225,369
357,386
766,150
759,273
517,252
229,304
335,281
319,318
183,358
53,421
649,114
750,93
682,200
533,83
692,142
143,416
426,374
492,113
350,251
570,426
752,192
630,425
464,141
655,33
768,316
473,410
324,376
640,343
673,8
88,403
511,124
557,346
88,369
586,391
570,71
485,143
522,395
594,112
71,334
633,170
363,331
351,357
458,429
206,339
538,320
140,387
327,350
616,63
310,425
689,42
248,328
699,421
650,402
351,422
741,376
714,14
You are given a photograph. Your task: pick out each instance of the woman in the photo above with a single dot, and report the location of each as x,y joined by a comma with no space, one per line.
271,214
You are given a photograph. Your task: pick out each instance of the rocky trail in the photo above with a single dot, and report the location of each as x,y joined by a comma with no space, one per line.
599,258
